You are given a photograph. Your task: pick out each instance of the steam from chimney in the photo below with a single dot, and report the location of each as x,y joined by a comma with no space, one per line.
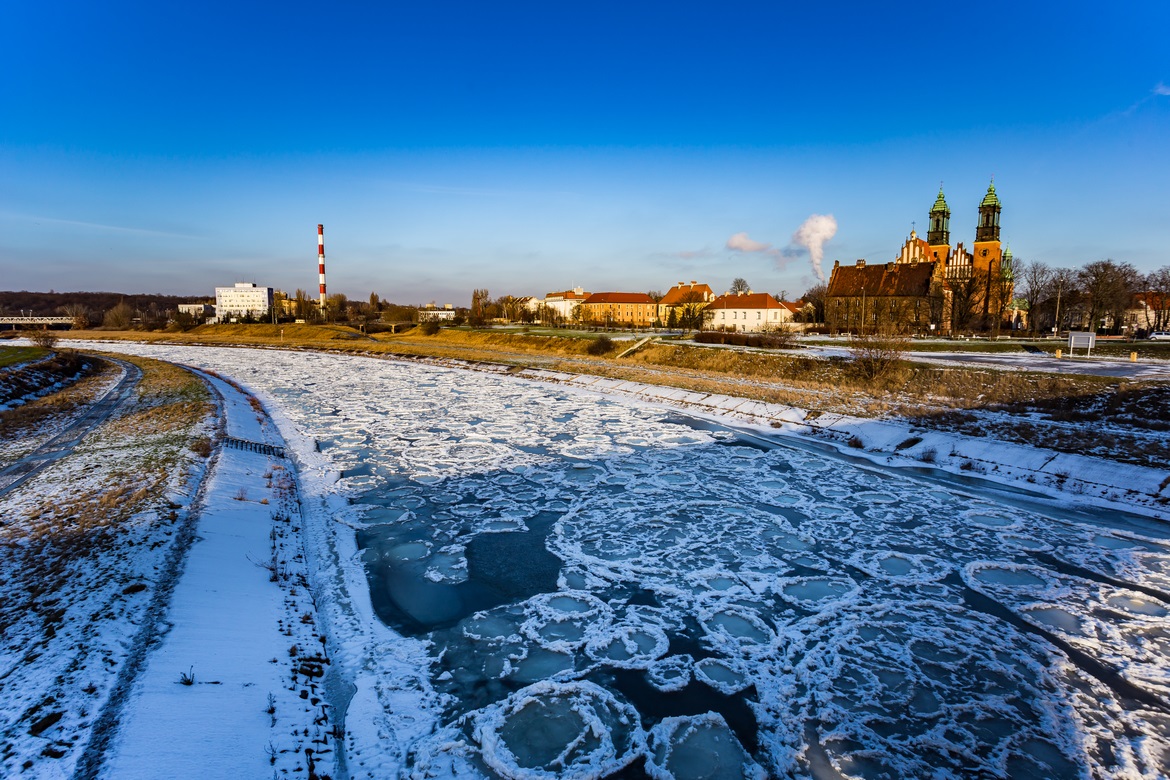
812,235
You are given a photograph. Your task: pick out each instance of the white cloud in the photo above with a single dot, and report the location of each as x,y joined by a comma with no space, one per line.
741,243
1162,89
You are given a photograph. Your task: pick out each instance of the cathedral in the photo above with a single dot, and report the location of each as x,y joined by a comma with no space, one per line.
930,285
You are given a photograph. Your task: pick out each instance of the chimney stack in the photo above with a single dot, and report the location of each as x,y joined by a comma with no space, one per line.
321,262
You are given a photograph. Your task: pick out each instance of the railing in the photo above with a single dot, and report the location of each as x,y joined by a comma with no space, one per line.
253,446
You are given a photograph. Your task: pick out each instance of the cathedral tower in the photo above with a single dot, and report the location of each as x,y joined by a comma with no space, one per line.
987,247
988,229
939,234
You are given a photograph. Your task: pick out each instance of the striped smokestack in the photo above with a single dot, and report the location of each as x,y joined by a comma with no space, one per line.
321,262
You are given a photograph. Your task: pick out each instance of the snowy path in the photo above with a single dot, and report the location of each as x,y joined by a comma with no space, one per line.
16,474
215,698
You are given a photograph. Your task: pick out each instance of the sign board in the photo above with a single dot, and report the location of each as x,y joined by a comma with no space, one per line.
1085,339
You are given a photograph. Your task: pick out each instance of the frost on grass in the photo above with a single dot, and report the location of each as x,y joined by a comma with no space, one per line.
81,545
604,584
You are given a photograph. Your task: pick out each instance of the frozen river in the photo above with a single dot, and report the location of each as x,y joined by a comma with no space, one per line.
610,589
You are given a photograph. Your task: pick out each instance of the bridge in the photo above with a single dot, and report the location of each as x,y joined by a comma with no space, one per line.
42,322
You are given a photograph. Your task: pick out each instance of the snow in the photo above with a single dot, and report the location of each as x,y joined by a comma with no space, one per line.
508,570
234,713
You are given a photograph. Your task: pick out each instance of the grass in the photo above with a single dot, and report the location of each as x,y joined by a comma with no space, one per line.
10,356
87,514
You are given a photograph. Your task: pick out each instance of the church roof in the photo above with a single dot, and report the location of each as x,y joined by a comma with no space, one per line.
883,279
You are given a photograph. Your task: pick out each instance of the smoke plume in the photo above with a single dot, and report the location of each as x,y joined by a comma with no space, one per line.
812,235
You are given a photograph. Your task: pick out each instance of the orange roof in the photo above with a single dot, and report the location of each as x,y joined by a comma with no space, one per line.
683,293
567,295
747,301
618,297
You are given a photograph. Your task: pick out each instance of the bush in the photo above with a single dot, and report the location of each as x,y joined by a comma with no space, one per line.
45,339
776,339
875,354
429,328
600,346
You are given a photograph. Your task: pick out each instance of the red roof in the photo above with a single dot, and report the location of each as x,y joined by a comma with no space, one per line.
883,279
567,295
618,297
686,293
747,301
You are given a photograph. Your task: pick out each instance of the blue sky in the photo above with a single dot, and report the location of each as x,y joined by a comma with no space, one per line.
530,147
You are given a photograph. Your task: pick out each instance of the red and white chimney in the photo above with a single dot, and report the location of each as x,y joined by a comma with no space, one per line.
321,262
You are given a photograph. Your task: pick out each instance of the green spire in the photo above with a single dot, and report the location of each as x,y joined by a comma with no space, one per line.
940,204
990,198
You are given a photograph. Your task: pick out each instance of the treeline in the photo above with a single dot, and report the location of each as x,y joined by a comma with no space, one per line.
1104,296
50,304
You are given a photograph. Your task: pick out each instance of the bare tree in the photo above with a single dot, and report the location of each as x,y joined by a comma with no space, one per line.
739,284
120,317
692,311
816,296
1109,286
1157,299
79,313
1035,279
480,307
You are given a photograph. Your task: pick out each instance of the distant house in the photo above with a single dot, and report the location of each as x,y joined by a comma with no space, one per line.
432,313
749,312
245,299
871,295
200,312
1149,311
683,296
619,309
563,304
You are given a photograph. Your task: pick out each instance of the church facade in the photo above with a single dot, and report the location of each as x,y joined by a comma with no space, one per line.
931,285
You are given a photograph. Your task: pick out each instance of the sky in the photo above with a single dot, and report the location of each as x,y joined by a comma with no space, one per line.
533,147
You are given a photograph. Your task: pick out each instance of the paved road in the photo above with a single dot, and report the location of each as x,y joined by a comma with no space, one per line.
16,474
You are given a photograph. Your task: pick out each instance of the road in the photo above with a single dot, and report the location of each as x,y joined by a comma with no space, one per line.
16,474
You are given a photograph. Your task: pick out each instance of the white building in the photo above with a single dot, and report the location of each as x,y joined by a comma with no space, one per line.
202,312
243,300
566,302
749,312
432,313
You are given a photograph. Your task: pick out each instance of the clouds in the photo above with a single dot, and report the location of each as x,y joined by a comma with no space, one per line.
1162,89
810,237
741,243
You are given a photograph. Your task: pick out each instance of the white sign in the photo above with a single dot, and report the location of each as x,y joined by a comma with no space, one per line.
1078,338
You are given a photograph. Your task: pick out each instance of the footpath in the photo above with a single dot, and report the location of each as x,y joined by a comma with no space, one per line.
234,688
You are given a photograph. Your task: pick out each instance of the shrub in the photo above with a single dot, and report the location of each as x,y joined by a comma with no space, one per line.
600,346
856,443
429,328
875,354
201,446
45,339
